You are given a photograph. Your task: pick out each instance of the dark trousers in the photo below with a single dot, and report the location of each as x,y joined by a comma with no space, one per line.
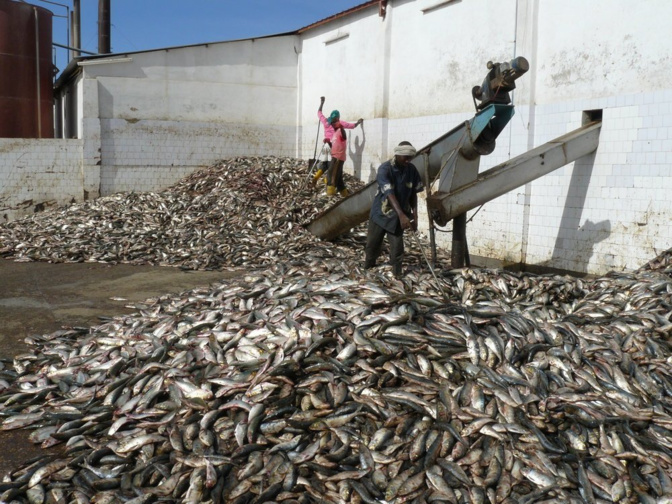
374,246
335,177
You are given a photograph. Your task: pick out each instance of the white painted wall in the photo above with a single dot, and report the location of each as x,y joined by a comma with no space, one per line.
438,55
602,48
37,174
344,62
167,112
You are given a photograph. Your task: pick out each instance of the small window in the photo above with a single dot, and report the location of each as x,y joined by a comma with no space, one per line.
591,116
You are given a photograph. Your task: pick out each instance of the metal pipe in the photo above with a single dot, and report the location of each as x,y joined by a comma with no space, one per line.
76,28
74,48
104,45
37,66
438,283
67,19
56,3
432,239
467,259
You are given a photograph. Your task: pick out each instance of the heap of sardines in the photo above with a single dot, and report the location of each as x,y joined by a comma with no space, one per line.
314,381
238,212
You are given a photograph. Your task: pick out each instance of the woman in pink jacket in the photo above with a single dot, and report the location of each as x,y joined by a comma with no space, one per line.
336,138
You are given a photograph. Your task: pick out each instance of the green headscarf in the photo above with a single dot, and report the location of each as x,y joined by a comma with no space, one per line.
334,116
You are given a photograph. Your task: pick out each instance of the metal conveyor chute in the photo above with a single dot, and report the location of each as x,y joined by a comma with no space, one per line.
491,184
516,172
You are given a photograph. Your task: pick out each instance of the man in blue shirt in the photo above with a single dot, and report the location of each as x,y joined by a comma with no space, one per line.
395,203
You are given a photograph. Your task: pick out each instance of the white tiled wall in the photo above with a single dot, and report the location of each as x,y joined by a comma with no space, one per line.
36,174
608,211
151,155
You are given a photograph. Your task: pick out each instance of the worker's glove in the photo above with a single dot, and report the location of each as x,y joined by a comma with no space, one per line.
328,142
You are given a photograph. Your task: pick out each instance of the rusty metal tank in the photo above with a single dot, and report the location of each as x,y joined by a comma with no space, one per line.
26,71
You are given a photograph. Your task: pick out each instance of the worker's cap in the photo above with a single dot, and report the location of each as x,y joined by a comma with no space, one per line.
405,149
334,116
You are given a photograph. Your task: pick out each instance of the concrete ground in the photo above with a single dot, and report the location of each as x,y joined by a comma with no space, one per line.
40,298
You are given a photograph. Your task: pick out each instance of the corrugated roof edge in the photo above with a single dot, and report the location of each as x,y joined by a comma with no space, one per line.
352,10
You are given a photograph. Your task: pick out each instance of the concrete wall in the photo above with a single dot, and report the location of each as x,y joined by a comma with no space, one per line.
145,120
409,75
164,113
37,174
343,61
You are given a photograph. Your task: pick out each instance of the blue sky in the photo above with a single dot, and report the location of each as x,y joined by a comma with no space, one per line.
148,24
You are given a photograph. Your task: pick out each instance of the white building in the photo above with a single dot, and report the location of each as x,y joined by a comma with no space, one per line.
140,121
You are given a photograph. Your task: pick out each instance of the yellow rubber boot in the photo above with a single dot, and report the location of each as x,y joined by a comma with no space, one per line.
331,190
317,176
345,193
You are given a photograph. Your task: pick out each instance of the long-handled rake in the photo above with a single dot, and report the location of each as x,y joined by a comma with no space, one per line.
310,172
438,284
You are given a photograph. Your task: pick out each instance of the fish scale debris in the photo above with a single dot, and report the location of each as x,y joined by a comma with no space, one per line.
316,381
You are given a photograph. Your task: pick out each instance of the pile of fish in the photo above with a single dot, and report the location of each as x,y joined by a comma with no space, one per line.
662,263
314,381
238,212
326,383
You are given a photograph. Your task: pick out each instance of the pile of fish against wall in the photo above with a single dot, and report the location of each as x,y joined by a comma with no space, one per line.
313,380
238,212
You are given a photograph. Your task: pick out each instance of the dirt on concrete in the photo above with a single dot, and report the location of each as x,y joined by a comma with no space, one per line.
40,298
